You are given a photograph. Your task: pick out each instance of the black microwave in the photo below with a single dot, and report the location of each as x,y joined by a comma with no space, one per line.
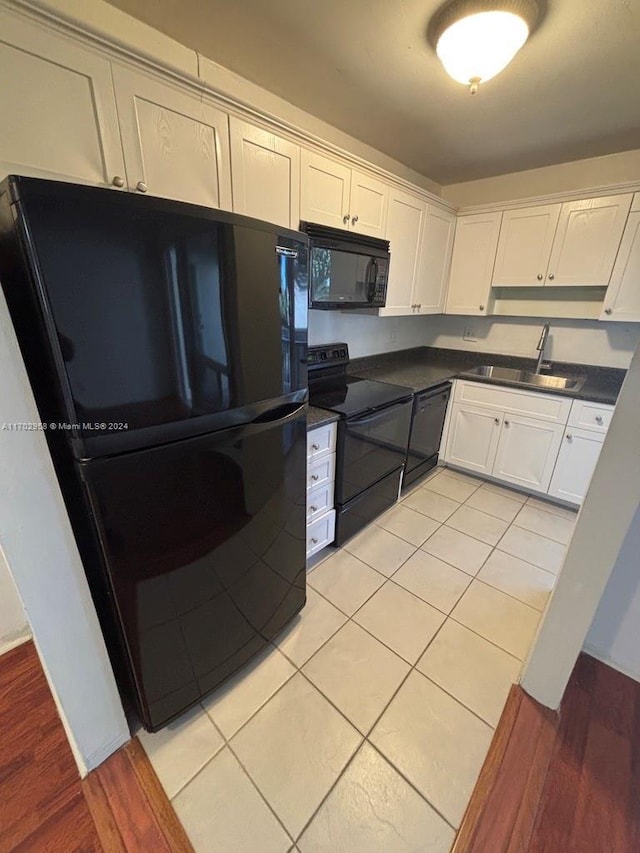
346,270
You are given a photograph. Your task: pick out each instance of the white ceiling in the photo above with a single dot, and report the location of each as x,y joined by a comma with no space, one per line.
365,66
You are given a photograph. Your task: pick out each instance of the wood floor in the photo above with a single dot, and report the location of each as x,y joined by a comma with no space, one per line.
45,807
562,783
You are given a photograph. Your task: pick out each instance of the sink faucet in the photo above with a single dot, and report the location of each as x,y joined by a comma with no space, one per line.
541,345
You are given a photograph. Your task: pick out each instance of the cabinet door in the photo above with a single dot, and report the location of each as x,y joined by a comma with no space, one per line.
524,247
622,300
368,205
434,261
474,253
325,186
58,107
576,463
473,438
587,241
527,452
175,144
404,231
266,175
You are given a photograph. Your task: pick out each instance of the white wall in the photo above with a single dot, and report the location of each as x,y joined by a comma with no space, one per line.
591,173
599,544
41,553
13,619
367,334
580,341
614,636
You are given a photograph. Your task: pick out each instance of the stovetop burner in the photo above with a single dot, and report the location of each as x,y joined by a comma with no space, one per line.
330,387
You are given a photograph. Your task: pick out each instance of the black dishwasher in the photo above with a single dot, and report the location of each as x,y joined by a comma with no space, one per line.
429,410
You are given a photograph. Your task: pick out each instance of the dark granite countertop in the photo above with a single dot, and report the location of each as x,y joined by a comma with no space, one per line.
427,367
319,417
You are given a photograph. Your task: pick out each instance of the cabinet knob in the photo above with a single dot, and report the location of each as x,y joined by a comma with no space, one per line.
141,187
345,219
608,311
354,219
539,276
481,307
598,419
314,541
315,447
551,276
118,182
419,305
313,509
569,437
506,423
315,477
496,421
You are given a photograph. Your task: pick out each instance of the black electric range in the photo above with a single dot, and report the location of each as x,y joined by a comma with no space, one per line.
373,434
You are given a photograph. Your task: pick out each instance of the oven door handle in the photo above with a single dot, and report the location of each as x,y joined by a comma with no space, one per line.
377,413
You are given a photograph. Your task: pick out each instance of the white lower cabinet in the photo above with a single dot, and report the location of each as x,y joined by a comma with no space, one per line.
540,443
576,463
527,452
321,467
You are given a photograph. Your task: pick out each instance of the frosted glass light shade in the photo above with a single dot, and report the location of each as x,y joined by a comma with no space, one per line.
476,48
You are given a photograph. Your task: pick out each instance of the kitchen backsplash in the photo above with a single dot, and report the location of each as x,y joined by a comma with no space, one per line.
580,341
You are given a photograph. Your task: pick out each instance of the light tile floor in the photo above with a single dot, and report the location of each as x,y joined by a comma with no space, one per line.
364,726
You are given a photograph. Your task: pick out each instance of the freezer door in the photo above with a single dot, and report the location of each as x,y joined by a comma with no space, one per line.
165,320
204,545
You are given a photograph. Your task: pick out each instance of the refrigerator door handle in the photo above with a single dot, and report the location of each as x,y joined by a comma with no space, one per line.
281,414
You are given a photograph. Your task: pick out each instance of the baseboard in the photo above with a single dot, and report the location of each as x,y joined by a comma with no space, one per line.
11,642
603,657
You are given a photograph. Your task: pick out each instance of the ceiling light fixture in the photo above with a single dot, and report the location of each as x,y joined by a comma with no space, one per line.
476,39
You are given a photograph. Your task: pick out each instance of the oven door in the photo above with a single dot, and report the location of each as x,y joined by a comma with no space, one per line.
371,446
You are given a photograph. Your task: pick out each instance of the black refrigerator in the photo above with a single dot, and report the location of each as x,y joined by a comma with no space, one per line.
166,347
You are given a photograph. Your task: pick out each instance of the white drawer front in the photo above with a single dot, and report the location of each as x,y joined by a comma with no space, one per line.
319,501
545,407
595,416
321,441
321,532
321,472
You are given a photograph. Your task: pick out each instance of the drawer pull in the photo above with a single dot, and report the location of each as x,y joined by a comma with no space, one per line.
315,477
598,419
313,509
315,447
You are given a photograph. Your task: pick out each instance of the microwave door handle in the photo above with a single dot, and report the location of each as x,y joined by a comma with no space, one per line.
372,277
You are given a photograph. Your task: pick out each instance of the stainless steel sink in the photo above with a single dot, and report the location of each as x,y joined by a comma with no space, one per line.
528,377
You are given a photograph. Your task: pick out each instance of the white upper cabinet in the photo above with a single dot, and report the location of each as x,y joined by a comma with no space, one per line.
334,194
434,261
175,144
622,300
266,174
587,241
368,205
404,231
524,247
58,108
474,254
324,190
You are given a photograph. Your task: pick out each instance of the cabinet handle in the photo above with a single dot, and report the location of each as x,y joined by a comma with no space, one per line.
539,276
345,219
608,311
496,421
141,187
506,423
118,182
481,307
598,419
419,305
314,541
354,219
315,477
313,509
315,447
569,437
551,276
